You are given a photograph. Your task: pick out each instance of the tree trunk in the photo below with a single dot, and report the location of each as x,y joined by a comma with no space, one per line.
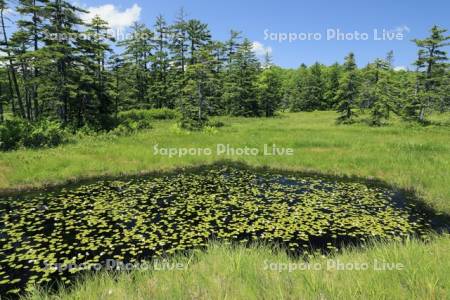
36,71
1,106
11,66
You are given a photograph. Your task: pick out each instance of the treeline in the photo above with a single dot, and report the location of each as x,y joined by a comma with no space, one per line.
376,88
56,67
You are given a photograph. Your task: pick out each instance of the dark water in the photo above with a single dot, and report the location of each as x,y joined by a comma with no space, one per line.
54,236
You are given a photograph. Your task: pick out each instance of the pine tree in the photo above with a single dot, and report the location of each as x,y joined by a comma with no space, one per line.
31,25
60,59
13,83
298,93
199,90
232,44
385,95
198,36
240,93
4,95
94,102
314,89
159,89
138,54
333,76
269,87
348,91
431,68
119,83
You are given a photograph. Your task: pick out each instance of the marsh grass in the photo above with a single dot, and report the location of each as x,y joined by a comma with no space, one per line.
228,272
411,157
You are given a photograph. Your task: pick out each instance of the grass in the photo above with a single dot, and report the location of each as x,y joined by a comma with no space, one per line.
225,272
411,157
415,158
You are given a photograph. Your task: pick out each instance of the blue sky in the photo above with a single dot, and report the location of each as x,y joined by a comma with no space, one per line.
411,18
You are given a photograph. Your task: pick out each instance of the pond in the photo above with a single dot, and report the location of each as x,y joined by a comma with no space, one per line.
54,235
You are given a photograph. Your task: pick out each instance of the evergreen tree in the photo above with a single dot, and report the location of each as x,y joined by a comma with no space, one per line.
333,76
198,36
240,93
298,95
94,101
60,58
348,91
199,90
314,89
179,45
13,83
269,90
31,25
159,89
431,69
138,54
385,95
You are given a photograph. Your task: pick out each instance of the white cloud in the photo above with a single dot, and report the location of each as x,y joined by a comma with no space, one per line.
116,18
260,50
401,29
400,68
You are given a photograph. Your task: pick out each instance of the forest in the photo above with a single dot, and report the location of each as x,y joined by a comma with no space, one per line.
168,146
60,74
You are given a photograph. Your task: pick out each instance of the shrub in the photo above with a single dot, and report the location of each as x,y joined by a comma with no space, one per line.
130,127
215,123
12,133
149,114
16,133
45,134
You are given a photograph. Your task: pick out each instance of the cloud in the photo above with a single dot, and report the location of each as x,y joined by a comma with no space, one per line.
260,50
400,68
116,18
401,29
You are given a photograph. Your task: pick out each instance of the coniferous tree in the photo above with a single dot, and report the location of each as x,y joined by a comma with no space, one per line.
95,105
240,92
298,95
199,91
348,91
269,87
61,58
11,67
138,51
431,69
198,36
179,56
314,89
159,89
333,76
31,25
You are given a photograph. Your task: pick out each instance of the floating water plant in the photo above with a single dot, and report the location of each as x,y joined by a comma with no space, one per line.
56,235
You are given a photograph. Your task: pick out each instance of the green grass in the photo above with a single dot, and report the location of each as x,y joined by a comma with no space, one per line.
224,272
415,158
411,157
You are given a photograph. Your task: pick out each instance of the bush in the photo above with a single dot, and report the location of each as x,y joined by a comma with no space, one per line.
45,134
150,114
18,133
215,123
12,133
130,127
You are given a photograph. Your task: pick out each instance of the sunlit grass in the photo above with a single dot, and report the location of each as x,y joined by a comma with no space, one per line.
412,157
225,272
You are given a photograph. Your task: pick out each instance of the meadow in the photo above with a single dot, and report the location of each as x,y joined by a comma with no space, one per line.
410,157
